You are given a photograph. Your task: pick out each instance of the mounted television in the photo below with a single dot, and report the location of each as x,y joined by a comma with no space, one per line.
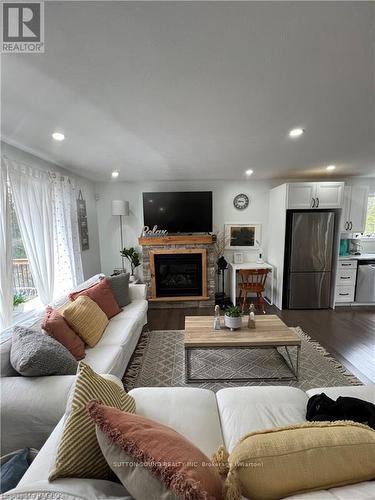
182,212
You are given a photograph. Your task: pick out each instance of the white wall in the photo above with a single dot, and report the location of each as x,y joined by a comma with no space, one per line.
223,210
91,257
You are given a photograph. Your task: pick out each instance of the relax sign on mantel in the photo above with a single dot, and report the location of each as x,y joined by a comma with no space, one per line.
154,232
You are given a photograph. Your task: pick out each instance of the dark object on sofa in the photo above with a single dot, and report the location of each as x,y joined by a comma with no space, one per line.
322,408
13,467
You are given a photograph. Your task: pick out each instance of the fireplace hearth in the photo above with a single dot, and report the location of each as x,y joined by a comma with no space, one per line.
178,275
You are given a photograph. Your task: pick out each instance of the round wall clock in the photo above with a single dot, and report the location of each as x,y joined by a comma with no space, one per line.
241,201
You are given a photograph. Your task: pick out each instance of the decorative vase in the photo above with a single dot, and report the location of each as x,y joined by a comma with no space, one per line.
132,278
232,322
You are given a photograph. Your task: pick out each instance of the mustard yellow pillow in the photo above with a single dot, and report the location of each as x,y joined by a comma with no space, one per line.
87,319
276,463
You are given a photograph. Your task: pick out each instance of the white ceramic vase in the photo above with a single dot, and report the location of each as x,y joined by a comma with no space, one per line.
232,323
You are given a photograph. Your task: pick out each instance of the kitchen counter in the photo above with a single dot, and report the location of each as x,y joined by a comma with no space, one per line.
364,256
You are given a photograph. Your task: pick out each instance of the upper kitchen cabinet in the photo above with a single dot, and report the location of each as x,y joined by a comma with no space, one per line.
308,195
353,219
301,195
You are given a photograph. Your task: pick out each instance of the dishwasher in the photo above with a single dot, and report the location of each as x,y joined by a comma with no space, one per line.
365,291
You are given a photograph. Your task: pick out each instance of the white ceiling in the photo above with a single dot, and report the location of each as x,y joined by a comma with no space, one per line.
202,90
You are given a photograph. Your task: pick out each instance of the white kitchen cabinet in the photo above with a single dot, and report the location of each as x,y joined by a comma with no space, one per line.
344,294
315,195
353,219
345,281
301,195
329,194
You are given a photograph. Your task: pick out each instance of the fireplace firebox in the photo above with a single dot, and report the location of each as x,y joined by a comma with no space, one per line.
178,274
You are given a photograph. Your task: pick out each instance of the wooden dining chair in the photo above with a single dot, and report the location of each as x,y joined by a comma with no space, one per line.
252,281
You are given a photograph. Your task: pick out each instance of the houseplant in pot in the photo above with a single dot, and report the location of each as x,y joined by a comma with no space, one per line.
133,257
19,300
232,318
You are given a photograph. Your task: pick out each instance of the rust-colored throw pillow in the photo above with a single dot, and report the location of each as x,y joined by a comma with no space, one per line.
101,293
180,468
55,326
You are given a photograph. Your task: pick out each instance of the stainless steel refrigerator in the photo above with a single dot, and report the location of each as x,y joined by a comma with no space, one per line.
310,243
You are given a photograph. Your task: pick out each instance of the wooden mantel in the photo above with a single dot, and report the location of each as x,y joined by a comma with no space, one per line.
205,239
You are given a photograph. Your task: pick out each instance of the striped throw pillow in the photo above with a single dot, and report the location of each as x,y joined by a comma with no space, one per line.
79,454
87,319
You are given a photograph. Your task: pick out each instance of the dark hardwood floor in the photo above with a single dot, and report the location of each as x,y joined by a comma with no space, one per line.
348,333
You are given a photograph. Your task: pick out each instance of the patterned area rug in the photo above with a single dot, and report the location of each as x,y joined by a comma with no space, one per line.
158,361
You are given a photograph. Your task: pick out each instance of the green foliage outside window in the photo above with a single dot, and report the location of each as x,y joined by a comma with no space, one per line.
370,221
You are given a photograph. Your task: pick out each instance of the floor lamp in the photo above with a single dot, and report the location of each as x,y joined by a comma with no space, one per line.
120,208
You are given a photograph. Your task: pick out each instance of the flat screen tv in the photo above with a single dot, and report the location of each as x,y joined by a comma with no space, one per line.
182,212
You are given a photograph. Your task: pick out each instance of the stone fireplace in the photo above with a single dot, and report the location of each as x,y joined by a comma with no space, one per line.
179,270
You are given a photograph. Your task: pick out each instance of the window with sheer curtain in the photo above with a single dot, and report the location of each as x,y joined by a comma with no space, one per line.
68,262
370,218
39,232
24,288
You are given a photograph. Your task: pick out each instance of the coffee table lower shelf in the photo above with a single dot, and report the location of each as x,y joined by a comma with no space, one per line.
293,367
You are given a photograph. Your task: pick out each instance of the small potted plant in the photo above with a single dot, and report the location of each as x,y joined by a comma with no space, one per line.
133,257
232,318
18,301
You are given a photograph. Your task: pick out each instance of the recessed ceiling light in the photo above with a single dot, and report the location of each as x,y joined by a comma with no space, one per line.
58,136
331,167
115,174
249,172
296,132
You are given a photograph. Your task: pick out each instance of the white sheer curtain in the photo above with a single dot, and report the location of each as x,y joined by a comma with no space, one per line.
6,295
68,261
32,196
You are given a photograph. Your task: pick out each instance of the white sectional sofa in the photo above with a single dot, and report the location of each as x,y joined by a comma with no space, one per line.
208,420
32,406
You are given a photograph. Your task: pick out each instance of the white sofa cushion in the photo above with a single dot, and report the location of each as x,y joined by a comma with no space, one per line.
359,491
31,408
104,359
118,331
248,409
136,309
365,392
190,411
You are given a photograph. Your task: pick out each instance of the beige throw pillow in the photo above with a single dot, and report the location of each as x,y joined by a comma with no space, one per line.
79,453
87,319
276,463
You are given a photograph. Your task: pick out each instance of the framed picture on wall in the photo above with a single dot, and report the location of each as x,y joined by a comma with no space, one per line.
238,257
243,236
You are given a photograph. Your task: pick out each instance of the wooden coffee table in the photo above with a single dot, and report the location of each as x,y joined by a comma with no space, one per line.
270,333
